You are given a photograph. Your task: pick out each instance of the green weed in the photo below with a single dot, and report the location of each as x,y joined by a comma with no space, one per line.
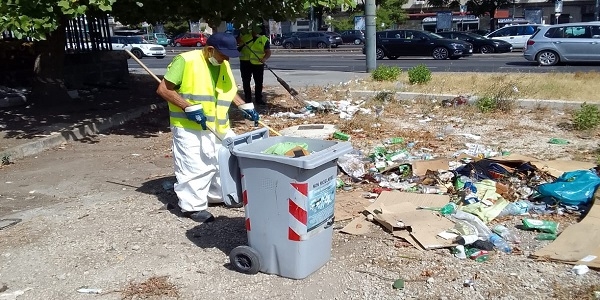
587,117
386,73
419,74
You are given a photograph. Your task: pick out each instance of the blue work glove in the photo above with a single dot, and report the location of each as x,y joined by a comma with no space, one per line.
250,113
196,113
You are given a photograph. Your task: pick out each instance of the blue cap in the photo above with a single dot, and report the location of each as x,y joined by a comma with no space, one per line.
225,43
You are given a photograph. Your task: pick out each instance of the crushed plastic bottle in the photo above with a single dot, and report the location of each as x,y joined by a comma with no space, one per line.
500,243
449,209
482,230
516,208
506,234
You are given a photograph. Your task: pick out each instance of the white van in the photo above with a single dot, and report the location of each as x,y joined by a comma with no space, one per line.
517,35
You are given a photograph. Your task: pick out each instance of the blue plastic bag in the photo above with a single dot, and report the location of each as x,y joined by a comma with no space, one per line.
572,188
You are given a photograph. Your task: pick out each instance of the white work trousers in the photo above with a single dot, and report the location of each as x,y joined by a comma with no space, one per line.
196,168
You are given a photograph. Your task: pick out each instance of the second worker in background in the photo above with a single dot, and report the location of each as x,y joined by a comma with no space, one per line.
254,49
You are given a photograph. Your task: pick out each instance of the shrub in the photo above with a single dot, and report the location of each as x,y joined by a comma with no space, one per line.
499,97
486,104
386,73
419,74
587,117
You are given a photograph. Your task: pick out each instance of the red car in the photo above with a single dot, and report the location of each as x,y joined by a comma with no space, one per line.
191,40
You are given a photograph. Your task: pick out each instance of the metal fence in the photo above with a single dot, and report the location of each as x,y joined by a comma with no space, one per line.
88,34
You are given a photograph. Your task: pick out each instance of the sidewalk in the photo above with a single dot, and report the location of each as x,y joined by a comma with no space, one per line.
30,129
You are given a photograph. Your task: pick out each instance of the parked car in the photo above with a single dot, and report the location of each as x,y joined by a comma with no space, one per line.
278,40
395,43
157,38
480,43
314,39
334,38
480,31
356,37
139,47
570,42
517,35
190,40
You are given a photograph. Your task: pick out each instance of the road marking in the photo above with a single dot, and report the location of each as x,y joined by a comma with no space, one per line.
321,66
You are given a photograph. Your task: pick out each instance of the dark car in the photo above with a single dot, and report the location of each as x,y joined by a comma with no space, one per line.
479,31
278,40
395,43
314,39
334,38
480,43
355,37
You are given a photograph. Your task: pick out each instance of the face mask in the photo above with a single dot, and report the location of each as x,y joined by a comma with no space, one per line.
213,61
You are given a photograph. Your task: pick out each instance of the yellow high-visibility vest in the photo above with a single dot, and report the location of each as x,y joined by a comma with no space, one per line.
257,46
196,88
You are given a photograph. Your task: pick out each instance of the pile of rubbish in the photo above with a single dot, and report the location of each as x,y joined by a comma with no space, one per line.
449,203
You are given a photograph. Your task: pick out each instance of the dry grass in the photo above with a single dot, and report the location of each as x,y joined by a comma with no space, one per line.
153,288
579,86
575,292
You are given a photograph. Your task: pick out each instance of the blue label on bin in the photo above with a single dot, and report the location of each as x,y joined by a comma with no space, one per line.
321,200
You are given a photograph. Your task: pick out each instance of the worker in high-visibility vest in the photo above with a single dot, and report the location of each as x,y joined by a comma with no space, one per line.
199,88
255,50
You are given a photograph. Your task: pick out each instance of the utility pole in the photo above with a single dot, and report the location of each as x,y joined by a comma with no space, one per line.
597,11
370,35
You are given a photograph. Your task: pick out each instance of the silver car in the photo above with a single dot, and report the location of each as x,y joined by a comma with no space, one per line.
571,42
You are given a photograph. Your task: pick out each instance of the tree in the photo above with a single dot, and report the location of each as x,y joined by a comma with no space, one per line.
213,12
476,7
45,21
388,13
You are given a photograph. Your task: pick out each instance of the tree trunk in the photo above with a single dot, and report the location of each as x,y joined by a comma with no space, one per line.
492,19
48,82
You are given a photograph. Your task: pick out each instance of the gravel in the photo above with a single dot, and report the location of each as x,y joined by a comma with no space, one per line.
96,218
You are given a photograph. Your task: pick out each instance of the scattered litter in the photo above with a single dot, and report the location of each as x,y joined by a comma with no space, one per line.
398,284
580,269
5,223
85,290
468,283
557,141
13,295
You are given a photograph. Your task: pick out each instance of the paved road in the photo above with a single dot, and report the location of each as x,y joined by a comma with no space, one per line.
355,62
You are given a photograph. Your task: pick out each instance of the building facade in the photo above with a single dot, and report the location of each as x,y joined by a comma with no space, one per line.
519,11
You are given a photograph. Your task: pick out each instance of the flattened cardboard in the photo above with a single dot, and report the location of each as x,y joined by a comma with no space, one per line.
425,226
393,207
405,235
349,205
420,167
360,225
557,167
578,243
553,167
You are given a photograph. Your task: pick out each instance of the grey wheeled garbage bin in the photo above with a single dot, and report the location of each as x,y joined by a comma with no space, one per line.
289,206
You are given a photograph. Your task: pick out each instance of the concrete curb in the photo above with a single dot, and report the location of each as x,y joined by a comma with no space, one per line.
79,132
524,103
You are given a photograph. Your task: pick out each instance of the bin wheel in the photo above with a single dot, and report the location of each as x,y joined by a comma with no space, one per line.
244,259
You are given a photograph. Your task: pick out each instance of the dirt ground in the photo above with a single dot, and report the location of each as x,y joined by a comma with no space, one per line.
94,215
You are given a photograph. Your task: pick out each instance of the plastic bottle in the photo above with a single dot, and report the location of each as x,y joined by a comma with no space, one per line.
500,243
482,230
506,234
449,209
516,208
466,239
